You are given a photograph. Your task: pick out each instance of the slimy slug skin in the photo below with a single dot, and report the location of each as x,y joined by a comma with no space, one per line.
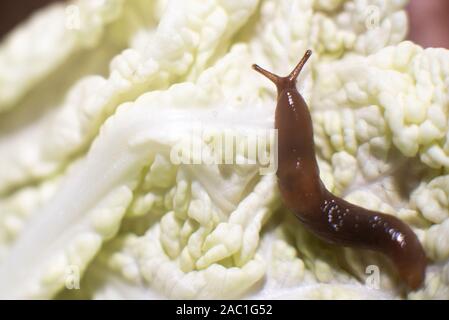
326,215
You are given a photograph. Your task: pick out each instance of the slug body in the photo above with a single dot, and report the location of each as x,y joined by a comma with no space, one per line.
326,215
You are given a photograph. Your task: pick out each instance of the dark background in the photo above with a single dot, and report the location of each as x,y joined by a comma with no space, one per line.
429,19
14,11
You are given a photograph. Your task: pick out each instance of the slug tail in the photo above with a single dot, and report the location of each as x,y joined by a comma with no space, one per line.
350,225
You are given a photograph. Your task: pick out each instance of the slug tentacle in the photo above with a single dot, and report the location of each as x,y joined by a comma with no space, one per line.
329,217
271,76
297,70
289,81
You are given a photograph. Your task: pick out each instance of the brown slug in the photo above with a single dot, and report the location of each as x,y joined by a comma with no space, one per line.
326,215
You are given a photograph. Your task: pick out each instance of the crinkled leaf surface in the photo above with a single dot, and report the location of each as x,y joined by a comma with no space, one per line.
88,187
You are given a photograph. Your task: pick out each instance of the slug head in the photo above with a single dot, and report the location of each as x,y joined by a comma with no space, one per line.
289,81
